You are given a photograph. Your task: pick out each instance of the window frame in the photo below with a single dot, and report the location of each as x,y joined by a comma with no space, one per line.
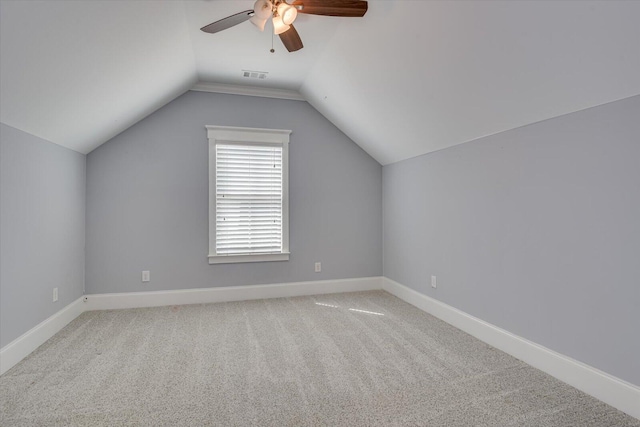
224,134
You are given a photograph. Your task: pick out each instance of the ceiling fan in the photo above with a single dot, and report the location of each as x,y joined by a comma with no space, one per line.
284,12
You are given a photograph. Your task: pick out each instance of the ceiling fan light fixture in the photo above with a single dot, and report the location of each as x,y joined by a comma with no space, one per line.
259,22
284,13
279,26
287,12
263,9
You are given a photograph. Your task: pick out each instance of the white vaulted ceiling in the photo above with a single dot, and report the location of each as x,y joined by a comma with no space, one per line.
409,78
79,72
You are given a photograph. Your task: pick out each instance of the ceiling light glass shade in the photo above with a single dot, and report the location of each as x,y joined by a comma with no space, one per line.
279,27
263,9
259,22
287,12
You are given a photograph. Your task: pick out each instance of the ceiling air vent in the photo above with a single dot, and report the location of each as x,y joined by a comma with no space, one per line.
260,75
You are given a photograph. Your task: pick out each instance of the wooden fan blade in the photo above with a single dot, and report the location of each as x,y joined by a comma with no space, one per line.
228,22
291,39
347,8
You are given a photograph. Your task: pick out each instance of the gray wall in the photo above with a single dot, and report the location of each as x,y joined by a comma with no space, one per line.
536,230
42,207
147,204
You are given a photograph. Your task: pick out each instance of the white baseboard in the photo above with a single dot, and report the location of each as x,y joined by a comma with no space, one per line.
22,346
609,389
231,293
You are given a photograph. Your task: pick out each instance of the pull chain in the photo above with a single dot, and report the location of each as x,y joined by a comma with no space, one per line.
272,49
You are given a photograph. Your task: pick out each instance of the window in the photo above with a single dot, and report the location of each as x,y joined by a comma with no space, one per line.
248,194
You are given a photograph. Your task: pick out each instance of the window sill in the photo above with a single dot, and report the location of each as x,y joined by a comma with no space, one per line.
232,259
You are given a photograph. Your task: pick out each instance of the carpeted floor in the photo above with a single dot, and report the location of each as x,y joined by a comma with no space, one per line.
354,359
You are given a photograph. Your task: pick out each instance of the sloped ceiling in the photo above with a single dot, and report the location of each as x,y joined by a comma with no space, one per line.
409,78
422,76
79,72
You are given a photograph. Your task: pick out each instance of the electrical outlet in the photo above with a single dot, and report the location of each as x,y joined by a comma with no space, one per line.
146,276
318,267
434,284
55,294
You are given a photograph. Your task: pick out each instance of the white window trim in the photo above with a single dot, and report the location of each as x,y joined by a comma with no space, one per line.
248,135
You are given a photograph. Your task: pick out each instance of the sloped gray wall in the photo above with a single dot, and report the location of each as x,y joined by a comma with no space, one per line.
42,207
147,204
535,230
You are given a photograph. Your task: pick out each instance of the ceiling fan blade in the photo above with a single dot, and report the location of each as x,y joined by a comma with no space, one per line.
291,39
347,8
228,22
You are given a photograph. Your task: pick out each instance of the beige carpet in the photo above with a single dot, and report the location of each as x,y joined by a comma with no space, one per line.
344,359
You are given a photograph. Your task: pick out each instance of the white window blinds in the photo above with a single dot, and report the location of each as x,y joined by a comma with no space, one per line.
249,198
